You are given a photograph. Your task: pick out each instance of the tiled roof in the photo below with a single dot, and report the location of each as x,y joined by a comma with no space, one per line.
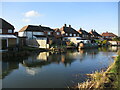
83,32
5,25
68,30
93,32
108,34
35,28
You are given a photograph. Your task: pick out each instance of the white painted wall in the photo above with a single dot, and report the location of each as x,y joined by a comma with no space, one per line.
37,43
113,42
21,34
75,41
43,44
29,34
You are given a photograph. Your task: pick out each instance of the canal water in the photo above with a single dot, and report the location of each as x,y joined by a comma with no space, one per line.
54,70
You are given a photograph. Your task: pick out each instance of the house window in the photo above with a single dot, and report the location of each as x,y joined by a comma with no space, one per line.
0,30
70,34
9,31
66,34
58,33
74,34
48,33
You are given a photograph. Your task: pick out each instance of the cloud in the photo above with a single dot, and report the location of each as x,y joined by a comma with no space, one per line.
32,13
26,20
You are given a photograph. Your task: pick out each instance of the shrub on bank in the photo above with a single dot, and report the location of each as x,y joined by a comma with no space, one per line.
116,39
70,43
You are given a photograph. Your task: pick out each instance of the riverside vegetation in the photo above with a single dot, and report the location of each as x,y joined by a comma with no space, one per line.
104,79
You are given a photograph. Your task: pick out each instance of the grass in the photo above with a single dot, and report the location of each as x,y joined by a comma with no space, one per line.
104,79
115,69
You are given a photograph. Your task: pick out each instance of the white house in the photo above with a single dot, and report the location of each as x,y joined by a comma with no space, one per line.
36,36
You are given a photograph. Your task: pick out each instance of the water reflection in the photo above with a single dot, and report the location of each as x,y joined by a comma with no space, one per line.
32,71
8,67
42,63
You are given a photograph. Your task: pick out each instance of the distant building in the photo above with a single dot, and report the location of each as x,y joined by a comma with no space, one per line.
70,34
69,31
94,34
7,35
108,35
37,36
57,33
85,35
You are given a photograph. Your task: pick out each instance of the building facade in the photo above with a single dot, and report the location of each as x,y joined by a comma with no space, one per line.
85,35
8,37
108,35
37,36
94,34
70,34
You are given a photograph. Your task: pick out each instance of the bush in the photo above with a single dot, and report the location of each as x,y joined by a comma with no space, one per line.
104,42
116,39
98,41
70,43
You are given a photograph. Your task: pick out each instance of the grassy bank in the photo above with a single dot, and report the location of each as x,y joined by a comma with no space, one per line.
104,79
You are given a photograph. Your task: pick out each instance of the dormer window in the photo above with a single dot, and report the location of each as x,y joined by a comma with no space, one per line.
9,31
70,34
74,34
58,33
49,33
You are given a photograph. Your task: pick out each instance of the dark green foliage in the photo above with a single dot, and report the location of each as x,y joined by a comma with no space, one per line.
116,39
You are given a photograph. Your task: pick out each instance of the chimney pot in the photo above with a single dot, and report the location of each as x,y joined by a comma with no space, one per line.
69,26
65,25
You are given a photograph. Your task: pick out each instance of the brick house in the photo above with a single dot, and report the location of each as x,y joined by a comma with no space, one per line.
37,36
94,34
85,35
108,35
70,34
57,33
7,35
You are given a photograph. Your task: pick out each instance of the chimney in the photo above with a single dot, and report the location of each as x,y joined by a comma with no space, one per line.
65,25
92,30
69,26
80,28
39,25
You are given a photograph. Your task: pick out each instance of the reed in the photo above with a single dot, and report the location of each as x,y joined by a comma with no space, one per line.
104,79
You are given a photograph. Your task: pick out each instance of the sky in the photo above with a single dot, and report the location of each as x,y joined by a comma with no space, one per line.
101,16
